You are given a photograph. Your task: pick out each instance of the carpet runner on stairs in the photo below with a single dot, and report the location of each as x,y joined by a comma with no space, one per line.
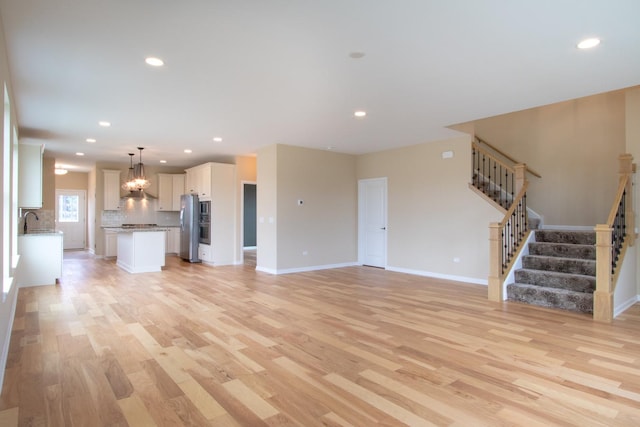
559,272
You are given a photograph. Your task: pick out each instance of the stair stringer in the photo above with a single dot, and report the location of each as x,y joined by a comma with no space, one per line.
517,263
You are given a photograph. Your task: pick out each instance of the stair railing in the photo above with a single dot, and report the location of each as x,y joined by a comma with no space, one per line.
495,179
479,142
506,239
612,239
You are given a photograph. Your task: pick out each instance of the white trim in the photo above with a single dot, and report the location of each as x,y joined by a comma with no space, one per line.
464,279
568,227
249,248
306,269
625,305
7,333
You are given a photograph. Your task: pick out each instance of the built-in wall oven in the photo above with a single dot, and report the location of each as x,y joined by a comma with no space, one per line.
204,222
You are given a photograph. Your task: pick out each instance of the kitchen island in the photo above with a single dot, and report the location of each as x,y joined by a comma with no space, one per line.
141,250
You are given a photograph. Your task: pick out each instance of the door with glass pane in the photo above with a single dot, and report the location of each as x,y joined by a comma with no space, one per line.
70,217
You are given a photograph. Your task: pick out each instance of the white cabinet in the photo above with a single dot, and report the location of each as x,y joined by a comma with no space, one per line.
110,244
217,182
141,252
173,241
199,181
170,188
111,190
40,258
204,253
30,175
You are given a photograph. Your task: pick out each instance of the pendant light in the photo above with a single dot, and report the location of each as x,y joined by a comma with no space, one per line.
139,178
129,184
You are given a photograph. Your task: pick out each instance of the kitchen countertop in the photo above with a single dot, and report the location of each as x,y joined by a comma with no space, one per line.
119,229
42,232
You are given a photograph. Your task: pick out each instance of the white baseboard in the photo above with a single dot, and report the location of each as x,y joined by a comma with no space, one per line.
464,279
625,305
305,269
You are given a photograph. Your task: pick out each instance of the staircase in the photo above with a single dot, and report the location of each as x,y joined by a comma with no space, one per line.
559,271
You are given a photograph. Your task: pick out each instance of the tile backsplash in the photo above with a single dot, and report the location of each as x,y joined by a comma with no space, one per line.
46,220
139,212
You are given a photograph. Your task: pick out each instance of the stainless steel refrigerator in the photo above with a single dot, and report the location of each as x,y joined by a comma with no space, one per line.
189,228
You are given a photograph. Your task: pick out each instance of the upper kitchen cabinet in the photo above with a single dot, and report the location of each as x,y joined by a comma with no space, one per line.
30,175
170,188
111,190
199,181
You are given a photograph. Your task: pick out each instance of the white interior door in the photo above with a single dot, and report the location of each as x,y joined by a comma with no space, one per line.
372,222
70,217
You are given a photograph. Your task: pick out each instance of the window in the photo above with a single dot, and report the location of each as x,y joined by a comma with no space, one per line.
68,208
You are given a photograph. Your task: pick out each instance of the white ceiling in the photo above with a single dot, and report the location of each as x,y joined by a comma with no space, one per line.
278,71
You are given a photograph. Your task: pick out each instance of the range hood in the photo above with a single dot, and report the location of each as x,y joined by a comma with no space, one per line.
138,195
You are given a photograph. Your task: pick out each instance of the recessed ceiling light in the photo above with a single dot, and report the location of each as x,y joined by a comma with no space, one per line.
217,139
356,55
79,154
360,113
154,62
60,171
589,43
104,124
188,151
163,161
91,140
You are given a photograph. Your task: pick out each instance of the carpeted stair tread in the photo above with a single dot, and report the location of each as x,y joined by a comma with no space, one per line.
566,236
552,279
564,250
551,297
559,271
585,267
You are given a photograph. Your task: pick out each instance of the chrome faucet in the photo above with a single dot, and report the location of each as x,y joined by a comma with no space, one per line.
25,219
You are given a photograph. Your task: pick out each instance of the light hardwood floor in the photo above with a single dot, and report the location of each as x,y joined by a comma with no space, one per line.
228,346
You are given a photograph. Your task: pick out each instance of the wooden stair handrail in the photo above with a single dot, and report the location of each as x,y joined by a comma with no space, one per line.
505,155
514,204
622,185
493,157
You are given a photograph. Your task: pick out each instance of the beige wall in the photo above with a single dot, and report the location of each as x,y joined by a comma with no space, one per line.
325,225
574,145
267,201
632,114
48,183
91,210
72,181
323,230
433,216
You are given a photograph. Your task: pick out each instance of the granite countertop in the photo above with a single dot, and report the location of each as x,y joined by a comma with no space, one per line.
42,232
120,229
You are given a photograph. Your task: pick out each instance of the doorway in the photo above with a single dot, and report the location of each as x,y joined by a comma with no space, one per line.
70,217
372,222
249,222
